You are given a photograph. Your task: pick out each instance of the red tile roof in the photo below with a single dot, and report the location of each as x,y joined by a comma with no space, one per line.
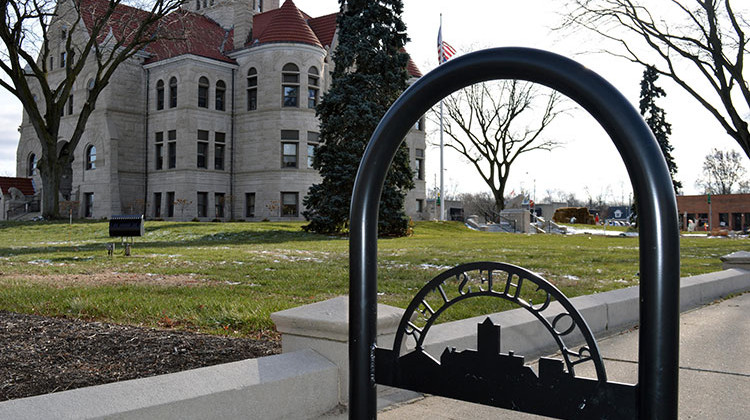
193,34
23,184
180,32
184,32
287,24
324,28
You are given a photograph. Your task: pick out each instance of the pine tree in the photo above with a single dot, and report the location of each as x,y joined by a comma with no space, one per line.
369,75
656,120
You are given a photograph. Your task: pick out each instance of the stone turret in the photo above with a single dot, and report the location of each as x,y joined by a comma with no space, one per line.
237,14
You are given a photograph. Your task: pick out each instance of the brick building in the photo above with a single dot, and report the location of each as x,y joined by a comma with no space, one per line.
218,123
731,211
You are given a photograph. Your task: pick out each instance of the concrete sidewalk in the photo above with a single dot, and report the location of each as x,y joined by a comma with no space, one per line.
714,369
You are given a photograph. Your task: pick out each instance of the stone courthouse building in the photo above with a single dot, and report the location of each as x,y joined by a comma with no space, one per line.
217,125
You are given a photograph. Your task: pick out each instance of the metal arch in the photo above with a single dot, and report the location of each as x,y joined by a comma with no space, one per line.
658,239
502,293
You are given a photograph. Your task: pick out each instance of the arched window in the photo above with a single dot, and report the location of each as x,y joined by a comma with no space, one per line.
313,87
90,157
90,84
203,92
252,89
221,89
173,92
198,4
160,94
31,168
290,85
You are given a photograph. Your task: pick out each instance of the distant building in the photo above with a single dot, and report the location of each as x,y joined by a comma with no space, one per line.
729,211
218,125
621,213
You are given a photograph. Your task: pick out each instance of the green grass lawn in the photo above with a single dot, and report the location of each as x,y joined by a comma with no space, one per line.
228,278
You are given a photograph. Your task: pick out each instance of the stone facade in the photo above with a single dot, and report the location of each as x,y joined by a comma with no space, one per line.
228,146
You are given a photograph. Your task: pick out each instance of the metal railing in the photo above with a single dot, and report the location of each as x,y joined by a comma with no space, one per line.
17,210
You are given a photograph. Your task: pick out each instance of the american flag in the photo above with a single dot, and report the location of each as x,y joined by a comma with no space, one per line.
445,51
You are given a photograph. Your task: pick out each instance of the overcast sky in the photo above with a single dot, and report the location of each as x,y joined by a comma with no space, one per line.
587,163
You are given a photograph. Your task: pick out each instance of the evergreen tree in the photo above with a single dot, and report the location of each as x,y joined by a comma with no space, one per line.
656,119
369,75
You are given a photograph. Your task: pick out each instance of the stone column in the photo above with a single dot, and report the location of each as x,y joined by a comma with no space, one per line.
324,327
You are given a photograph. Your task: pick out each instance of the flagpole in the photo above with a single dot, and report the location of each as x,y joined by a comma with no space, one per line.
442,191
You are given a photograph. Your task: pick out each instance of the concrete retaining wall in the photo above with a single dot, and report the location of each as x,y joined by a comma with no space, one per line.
296,385
305,383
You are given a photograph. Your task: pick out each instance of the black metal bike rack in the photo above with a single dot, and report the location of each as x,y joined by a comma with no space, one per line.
485,375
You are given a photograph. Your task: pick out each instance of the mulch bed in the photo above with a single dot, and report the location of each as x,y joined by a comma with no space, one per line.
39,355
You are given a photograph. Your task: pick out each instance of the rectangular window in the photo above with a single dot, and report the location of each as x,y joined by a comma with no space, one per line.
219,205
419,169
312,146
159,150
202,149
70,105
172,155
202,204
51,63
219,157
312,97
420,206
252,99
290,135
219,148
170,204
291,95
289,204
288,155
723,220
88,204
249,204
157,204
63,55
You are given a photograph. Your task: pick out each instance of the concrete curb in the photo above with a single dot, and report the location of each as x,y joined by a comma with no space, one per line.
295,385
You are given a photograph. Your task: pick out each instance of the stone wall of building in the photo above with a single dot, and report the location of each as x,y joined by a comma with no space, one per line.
127,127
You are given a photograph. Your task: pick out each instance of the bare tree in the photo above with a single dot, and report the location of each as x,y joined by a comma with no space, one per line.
481,204
706,39
722,171
96,35
491,124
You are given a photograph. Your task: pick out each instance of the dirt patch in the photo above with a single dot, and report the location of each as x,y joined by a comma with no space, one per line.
41,355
